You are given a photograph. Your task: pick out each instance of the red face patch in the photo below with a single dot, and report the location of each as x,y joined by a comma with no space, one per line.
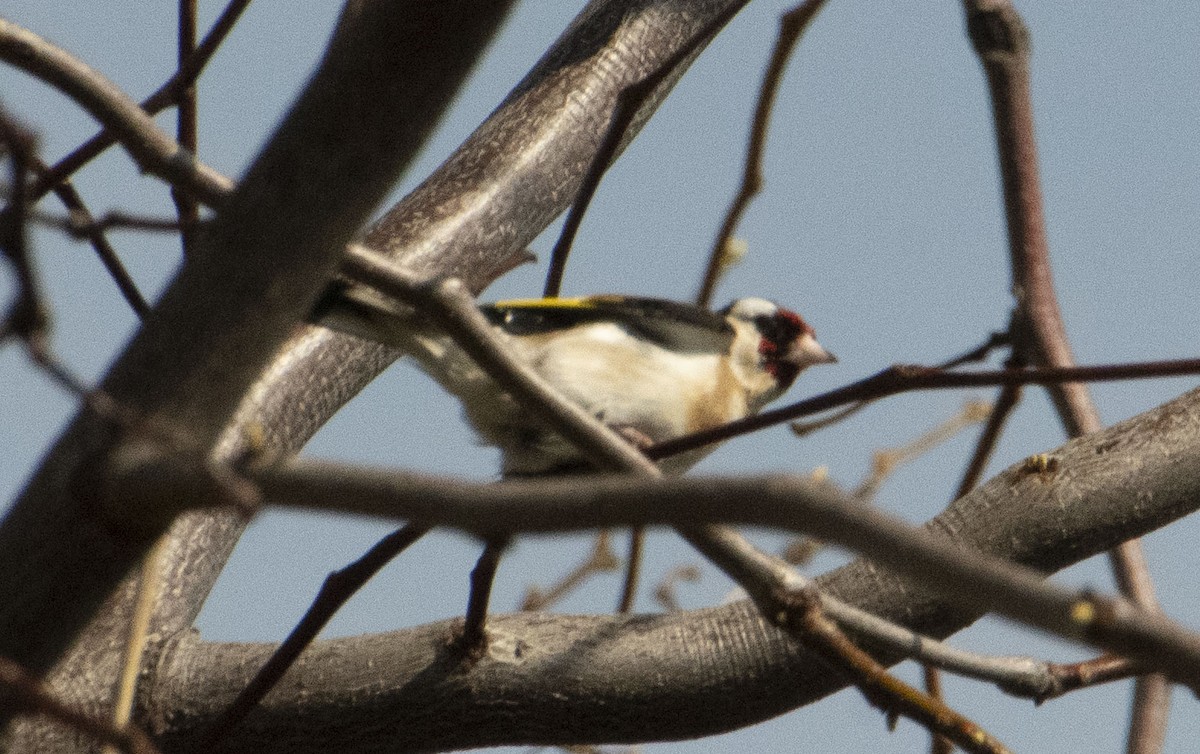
779,331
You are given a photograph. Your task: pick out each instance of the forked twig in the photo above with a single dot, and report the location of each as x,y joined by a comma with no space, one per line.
601,558
664,592
81,224
165,96
803,617
153,150
886,461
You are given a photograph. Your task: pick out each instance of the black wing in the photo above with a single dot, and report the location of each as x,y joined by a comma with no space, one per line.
673,325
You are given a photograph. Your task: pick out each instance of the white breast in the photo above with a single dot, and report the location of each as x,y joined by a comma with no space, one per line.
623,381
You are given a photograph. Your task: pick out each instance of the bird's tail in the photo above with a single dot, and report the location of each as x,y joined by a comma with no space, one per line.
361,311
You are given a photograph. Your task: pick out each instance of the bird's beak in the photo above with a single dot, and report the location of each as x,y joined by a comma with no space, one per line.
806,351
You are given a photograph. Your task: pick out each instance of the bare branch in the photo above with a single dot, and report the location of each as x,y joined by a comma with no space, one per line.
1045,522
165,96
28,694
283,231
792,26
630,102
795,504
804,618
905,378
1002,42
154,151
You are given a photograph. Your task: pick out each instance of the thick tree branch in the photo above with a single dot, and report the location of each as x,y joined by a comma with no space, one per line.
557,679
472,219
254,274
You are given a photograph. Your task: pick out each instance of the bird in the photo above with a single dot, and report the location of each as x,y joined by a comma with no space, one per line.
651,369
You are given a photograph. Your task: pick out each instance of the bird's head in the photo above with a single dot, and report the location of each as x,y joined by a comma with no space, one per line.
775,341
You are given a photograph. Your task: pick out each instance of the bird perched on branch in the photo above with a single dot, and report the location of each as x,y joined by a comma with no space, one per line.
653,370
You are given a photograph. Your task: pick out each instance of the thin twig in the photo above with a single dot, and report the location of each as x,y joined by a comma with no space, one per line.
633,568
938,744
664,592
187,117
163,97
1104,669
338,588
629,104
1002,409
27,317
155,152
906,378
600,559
81,224
473,640
791,26
977,354
27,692
885,462
803,617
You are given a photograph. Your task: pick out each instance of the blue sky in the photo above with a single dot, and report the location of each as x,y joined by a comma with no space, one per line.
881,223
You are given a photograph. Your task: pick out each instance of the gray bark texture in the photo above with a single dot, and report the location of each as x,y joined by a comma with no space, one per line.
65,565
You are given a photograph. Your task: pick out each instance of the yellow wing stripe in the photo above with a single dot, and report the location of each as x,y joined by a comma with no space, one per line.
581,302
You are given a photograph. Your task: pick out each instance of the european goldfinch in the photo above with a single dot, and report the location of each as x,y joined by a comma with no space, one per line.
653,370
